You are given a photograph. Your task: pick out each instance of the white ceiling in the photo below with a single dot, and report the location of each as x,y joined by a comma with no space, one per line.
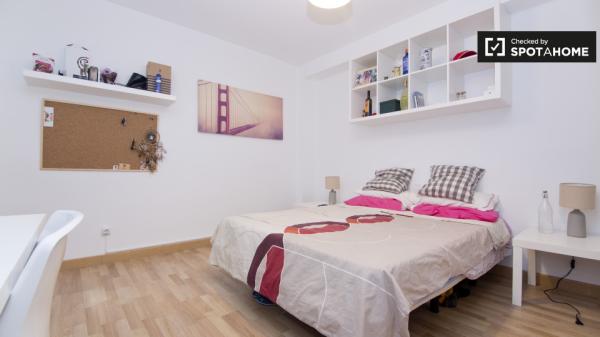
290,30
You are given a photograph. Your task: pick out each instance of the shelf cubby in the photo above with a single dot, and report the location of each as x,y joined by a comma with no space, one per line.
470,76
359,95
432,83
393,88
482,82
462,34
435,39
390,57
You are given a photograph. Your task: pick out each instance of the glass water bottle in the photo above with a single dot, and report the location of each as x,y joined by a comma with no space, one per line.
545,222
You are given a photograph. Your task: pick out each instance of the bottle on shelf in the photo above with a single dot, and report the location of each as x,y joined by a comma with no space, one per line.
404,95
405,62
158,79
545,221
368,107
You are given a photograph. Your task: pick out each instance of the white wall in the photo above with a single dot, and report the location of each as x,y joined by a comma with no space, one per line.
203,178
550,134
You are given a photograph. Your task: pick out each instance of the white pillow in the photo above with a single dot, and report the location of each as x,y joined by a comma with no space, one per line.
481,201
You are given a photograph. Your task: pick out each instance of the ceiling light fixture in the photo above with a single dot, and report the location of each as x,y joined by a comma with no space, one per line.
329,4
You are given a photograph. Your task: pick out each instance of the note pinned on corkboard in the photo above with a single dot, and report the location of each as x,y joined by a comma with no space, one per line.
83,137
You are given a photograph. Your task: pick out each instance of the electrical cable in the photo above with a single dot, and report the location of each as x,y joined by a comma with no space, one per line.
547,292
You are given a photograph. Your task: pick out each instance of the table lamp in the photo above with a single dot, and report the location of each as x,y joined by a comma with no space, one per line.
332,183
578,197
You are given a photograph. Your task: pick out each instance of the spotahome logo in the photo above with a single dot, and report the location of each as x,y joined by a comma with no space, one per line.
494,46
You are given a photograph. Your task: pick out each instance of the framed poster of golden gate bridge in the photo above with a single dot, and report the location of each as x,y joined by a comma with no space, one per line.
227,110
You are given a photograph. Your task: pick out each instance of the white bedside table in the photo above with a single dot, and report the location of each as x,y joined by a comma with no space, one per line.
531,241
310,204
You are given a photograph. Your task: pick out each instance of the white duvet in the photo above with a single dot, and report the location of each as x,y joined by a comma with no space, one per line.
351,277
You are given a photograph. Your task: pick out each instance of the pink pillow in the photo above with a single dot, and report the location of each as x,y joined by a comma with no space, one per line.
456,212
375,202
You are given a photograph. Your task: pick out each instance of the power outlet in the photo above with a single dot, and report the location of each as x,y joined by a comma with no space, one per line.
105,231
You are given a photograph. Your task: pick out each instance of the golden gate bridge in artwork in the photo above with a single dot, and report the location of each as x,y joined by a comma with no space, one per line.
223,110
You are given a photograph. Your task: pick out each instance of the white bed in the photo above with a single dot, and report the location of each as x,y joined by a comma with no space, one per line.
354,276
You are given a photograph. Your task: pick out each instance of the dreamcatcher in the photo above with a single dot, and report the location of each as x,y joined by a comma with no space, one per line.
151,151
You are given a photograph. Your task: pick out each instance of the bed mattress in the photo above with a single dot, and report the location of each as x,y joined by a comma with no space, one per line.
353,271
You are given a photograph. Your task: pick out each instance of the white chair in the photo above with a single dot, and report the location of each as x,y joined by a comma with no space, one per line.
27,313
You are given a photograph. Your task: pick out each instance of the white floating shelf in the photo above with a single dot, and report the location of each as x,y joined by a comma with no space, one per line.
53,81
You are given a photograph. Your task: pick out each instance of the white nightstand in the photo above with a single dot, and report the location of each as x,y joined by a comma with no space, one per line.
531,240
310,204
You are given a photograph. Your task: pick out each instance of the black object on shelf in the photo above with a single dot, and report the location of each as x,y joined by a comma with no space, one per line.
389,106
138,81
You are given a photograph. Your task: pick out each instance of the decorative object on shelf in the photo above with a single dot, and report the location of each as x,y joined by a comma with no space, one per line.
108,76
42,63
77,60
223,109
158,81
426,54
461,95
405,62
329,4
396,71
93,74
545,215
366,76
159,77
332,183
490,91
151,151
404,95
463,54
368,107
137,81
389,106
418,99
577,196
386,78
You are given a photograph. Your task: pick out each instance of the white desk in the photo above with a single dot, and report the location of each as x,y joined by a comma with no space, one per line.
18,235
531,240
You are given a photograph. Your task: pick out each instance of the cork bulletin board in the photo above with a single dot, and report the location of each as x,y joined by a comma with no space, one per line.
83,137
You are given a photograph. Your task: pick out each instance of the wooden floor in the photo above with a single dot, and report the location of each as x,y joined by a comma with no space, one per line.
181,295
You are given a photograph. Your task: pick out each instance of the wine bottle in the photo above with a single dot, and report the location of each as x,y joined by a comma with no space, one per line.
368,107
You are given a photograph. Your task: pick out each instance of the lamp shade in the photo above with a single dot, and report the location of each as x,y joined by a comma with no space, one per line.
577,196
329,4
332,182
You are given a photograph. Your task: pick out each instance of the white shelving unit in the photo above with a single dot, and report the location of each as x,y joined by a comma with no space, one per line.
438,83
52,81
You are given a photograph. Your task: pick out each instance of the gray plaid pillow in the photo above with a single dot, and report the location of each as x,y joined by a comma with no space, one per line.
394,180
453,182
